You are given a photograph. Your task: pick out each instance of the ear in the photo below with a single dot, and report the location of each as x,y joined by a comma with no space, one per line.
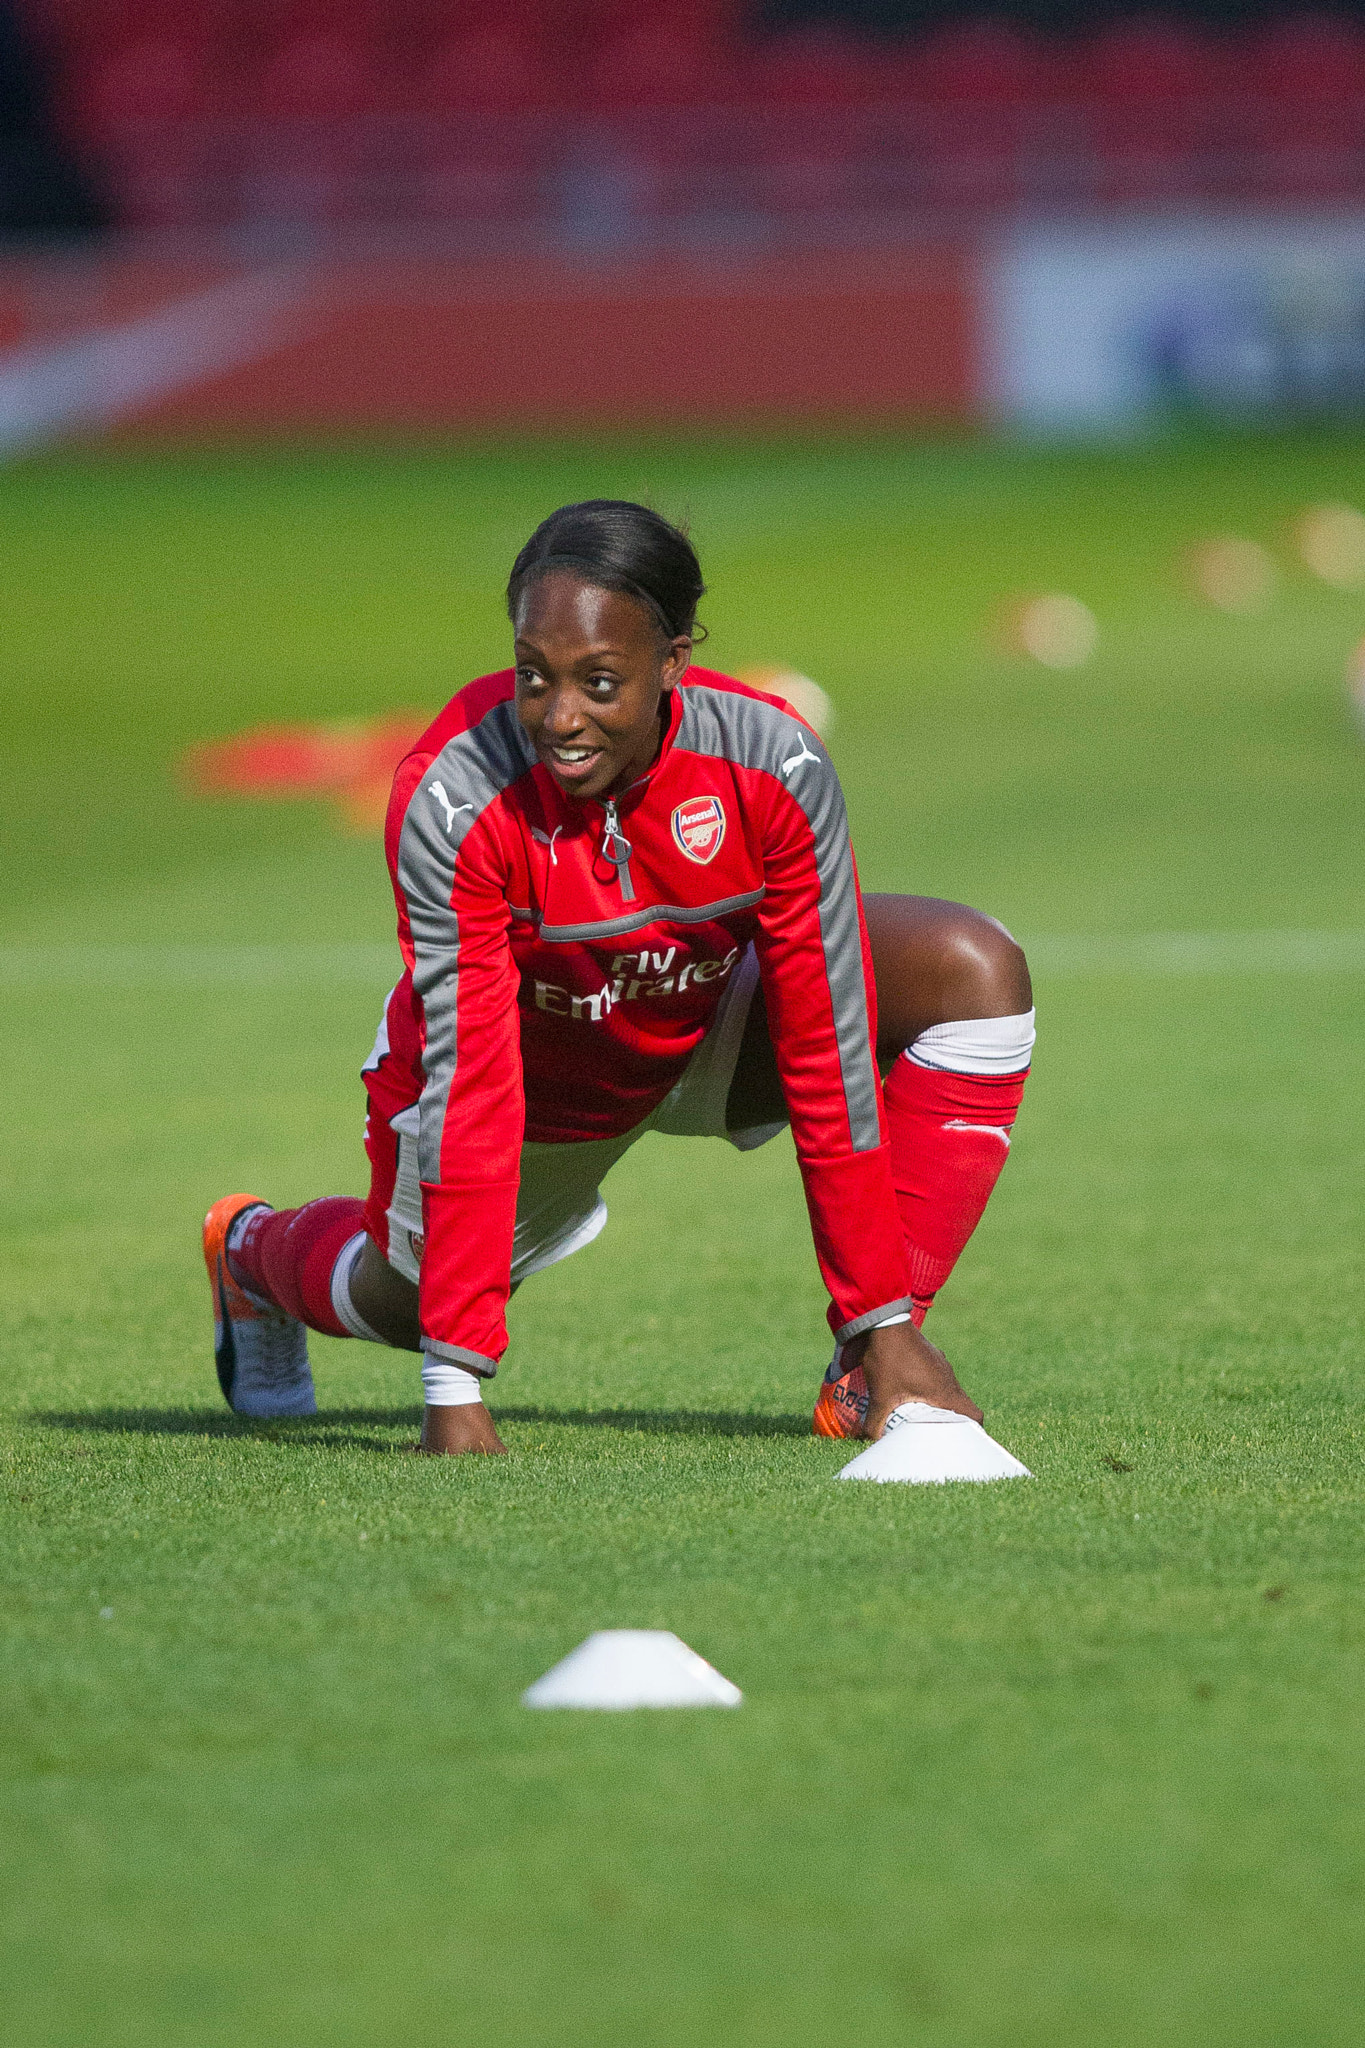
675,662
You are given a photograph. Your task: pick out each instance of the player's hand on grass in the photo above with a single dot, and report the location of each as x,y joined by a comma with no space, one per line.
446,1432
900,1364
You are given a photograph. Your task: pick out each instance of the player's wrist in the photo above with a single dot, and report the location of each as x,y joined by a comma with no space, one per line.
891,1347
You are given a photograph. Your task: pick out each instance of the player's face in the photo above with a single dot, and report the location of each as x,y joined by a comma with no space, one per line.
592,669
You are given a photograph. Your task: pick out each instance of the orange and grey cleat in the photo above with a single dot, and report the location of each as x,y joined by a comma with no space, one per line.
843,1403
261,1352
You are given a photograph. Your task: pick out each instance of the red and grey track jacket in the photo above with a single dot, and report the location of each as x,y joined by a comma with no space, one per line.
559,992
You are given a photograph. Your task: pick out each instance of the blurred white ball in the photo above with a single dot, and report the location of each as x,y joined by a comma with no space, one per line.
1234,574
800,692
1331,541
1059,631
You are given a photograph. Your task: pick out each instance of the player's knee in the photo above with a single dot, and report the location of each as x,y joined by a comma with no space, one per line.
986,966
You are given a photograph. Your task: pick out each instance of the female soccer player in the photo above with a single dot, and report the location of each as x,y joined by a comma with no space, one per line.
627,902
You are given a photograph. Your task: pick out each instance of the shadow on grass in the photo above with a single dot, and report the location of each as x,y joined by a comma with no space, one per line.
350,1427
341,1428
663,1421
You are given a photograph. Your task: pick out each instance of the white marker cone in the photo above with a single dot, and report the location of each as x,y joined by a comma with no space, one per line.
632,1667
925,1446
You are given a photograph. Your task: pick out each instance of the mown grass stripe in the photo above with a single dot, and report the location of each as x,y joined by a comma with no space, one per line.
1054,955
1251,952
134,966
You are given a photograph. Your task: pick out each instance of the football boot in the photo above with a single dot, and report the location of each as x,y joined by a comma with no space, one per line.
843,1402
260,1352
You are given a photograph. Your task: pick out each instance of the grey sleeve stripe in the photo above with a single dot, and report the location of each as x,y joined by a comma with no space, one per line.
661,913
456,1354
871,1320
468,774
758,735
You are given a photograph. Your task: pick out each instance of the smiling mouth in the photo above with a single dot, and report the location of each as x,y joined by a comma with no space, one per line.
573,759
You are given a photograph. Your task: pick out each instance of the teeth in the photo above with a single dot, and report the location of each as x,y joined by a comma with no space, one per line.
572,753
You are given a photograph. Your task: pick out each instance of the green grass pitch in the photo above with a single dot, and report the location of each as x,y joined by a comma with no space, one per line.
1077,1762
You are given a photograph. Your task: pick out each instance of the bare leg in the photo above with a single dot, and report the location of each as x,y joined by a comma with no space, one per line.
386,1299
388,1302
934,962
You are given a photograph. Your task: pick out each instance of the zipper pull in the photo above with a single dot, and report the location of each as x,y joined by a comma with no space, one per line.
617,849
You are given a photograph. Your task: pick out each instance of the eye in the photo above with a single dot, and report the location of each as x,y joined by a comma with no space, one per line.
601,686
526,678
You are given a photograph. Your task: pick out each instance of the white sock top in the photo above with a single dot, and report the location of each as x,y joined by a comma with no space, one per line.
977,1045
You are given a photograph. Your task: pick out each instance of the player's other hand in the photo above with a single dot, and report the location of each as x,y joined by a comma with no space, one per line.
900,1364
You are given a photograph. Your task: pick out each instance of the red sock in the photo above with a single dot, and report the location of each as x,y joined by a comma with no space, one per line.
949,1140
287,1255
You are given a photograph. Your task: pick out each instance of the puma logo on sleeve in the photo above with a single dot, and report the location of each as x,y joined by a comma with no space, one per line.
789,767
452,811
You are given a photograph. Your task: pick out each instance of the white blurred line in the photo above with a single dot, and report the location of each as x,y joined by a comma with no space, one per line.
1275,952
100,376
377,963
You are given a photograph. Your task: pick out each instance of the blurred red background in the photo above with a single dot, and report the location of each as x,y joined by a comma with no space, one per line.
499,121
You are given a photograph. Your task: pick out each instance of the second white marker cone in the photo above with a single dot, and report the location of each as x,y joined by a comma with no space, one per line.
619,1668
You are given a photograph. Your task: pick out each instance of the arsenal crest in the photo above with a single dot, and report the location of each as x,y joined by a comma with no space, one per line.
699,828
